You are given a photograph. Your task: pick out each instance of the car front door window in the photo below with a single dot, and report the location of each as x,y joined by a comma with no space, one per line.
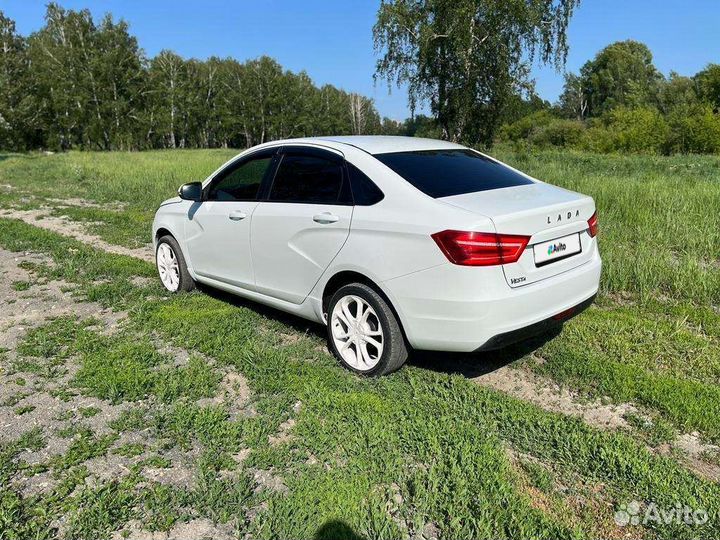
218,231
241,183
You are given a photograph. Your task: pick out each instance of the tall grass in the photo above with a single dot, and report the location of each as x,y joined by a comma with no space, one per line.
140,179
659,218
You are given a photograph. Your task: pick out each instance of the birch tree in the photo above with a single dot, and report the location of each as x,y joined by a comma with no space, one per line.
466,58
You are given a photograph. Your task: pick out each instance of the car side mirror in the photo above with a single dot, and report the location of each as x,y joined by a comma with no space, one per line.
191,191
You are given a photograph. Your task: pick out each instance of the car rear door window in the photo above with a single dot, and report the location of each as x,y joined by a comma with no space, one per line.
443,173
241,182
307,179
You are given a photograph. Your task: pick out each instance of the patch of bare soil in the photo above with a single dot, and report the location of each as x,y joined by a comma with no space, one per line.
84,203
62,225
234,392
525,385
180,356
544,393
693,453
32,400
267,479
196,529
176,476
284,434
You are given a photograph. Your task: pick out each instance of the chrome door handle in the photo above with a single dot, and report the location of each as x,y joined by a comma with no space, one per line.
325,218
237,216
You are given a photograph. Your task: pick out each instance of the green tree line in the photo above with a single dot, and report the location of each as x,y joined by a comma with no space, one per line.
78,83
82,83
620,102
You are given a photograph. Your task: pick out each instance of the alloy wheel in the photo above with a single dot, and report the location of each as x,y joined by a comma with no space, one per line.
168,267
357,332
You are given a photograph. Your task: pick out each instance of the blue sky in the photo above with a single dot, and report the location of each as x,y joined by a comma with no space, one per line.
332,40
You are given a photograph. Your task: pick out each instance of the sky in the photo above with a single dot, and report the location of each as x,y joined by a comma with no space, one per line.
332,39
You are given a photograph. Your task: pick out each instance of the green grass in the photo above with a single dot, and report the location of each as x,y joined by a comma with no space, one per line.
125,227
21,285
130,184
24,410
86,446
659,233
88,412
380,458
437,439
44,349
100,508
129,450
142,179
114,368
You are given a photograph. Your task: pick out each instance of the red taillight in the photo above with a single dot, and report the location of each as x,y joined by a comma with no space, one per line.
480,249
593,225
564,314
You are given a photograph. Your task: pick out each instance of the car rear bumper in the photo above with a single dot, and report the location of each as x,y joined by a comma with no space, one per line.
514,336
464,309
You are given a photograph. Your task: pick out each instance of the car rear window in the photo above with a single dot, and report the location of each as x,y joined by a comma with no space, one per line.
443,173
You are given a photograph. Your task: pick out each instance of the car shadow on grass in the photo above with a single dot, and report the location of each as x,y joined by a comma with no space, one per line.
476,364
293,321
335,529
470,365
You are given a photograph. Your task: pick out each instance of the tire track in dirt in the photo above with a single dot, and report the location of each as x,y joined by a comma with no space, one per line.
49,401
62,225
546,394
519,383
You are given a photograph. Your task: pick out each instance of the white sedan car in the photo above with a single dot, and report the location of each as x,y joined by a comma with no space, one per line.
391,242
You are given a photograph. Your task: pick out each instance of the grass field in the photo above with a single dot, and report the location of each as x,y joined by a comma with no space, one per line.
273,439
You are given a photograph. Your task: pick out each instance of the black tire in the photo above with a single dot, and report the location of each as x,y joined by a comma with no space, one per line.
395,348
187,283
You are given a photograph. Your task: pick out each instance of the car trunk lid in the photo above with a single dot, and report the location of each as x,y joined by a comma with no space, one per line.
554,218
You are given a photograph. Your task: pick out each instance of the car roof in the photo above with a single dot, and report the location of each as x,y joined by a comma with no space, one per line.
378,144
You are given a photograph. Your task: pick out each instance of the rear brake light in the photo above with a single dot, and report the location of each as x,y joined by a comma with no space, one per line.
593,225
469,248
564,314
